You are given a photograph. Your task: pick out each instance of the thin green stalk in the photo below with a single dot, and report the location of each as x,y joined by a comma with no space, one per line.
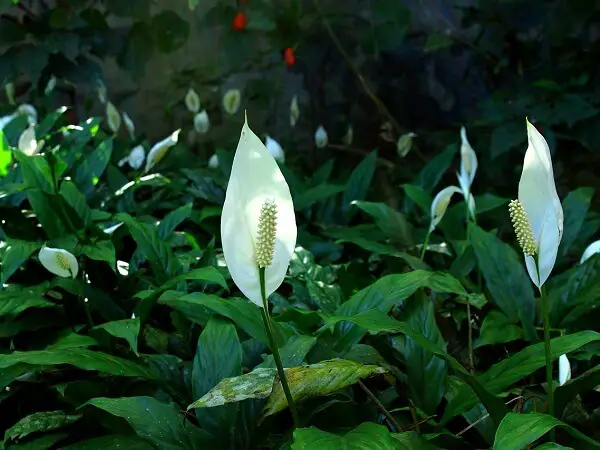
549,383
425,244
470,329
275,350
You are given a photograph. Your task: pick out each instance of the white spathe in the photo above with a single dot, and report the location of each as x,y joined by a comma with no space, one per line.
321,139
28,110
274,149
202,122
537,194
564,369
50,85
158,152
589,251
231,101
294,111
136,157
58,261
9,89
113,118
129,125
256,178
440,205
468,169
213,161
28,143
192,101
348,137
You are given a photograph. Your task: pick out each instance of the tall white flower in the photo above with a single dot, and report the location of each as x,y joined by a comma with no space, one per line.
348,137
564,369
9,89
192,101
136,157
321,138
231,101
158,152
113,118
129,125
258,226
294,111
440,205
28,143
589,251
275,149
404,144
58,261
468,164
201,122
50,85
213,162
538,212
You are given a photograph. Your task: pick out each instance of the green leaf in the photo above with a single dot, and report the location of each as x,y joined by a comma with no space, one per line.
579,385
93,166
101,251
497,329
36,172
40,422
15,254
367,436
14,303
429,177
77,201
159,424
507,136
293,353
437,41
420,196
489,202
392,223
5,155
139,48
173,220
127,329
510,370
45,208
553,446
111,442
218,356
327,297
426,373
575,207
170,31
358,184
516,431
505,278
310,196
43,442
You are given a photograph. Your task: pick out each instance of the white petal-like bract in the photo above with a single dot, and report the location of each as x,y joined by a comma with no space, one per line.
58,261
202,122
213,162
113,118
192,101
50,85
231,101
589,251
129,125
321,139
28,143
274,149
564,369
440,204
294,111
158,152
136,157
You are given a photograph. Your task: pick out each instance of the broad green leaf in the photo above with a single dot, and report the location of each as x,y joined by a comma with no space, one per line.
77,201
489,202
40,422
392,223
420,196
5,155
510,370
45,208
516,431
497,329
358,184
36,443
127,329
45,126
506,278
80,358
71,339
173,220
14,303
426,372
579,385
110,442
507,136
15,254
293,353
429,177
36,172
553,446
157,423
218,356
101,251
367,436
575,207
309,197
93,166
327,297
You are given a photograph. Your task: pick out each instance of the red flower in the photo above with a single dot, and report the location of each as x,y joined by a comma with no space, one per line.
239,22
288,56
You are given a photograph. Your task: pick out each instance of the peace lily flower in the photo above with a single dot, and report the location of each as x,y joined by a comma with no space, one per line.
231,101
440,205
158,152
136,157
112,229
192,101
258,226
348,137
275,149
537,215
590,250
50,85
321,138
294,111
404,144
129,125
101,91
58,261
468,164
213,162
27,110
27,142
564,369
9,88
113,117
201,122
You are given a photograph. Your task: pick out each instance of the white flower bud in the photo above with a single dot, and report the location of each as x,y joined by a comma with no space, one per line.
231,101
136,157
158,152
58,261
275,149
321,139
192,101
28,143
113,117
202,122
50,85
213,162
564,369
404,144
348,137
129,125
294,111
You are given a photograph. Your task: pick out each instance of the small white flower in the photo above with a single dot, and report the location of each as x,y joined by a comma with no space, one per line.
590,250
468,166
129,125
58,261
564,370
275,149
321,139
192,101
9,88
113,117
231,101
294,111
201,122
136,157
27,142
50,85
27,110
101,91
404,144
440,205
348,137
158,152
213,162
111,230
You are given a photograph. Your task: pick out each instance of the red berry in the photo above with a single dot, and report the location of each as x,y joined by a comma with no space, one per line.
288,56
239,22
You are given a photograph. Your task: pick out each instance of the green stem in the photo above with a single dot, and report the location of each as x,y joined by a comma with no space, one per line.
470,329
549,383
275,350
425,244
